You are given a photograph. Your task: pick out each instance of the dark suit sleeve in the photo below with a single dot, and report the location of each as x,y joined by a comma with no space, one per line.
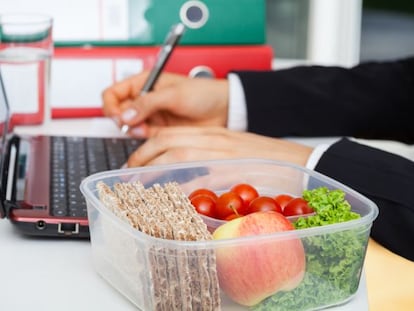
371,100
385,178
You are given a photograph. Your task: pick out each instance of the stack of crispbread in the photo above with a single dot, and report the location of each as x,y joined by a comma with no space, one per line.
182,278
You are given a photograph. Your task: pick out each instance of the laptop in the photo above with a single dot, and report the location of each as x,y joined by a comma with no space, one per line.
40,176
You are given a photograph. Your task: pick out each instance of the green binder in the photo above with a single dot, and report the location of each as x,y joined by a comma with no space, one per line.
228,22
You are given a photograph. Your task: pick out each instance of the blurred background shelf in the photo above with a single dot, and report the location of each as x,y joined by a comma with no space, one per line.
387,29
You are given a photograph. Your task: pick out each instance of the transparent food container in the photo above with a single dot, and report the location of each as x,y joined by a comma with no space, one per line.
160,274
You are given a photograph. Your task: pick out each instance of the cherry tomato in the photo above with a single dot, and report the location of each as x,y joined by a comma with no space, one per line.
264,203
203,191
297,206
204,205
247,192
229,203
283,199
232,216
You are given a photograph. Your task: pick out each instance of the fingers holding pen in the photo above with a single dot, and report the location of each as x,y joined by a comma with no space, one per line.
124,102
148,112
130,88
118,98
148,105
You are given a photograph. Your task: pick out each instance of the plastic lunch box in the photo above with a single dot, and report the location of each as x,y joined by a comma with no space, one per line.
334,253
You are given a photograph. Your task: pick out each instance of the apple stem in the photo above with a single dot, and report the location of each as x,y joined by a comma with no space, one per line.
235,211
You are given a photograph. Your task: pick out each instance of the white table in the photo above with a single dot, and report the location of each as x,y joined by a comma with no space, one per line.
54,274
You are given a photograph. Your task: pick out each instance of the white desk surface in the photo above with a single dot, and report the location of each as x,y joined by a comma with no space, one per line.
54,274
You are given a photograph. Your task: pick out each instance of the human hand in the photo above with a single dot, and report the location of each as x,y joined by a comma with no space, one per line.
176,100
180,144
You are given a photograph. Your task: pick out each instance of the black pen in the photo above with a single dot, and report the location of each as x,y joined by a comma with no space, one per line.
164,54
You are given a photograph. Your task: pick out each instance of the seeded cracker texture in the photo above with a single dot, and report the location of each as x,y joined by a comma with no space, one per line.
121,250
182,279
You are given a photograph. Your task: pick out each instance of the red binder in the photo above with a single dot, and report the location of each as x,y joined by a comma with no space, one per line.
83,72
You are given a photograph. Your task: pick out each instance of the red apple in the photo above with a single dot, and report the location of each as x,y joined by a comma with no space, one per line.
256,269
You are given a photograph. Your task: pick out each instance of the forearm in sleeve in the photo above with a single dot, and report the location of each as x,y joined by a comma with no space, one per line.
372,100
387,179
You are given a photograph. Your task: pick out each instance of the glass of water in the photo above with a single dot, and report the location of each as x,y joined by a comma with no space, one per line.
26,49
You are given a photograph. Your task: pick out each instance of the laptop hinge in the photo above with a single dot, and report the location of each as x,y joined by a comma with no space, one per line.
8,206
8,177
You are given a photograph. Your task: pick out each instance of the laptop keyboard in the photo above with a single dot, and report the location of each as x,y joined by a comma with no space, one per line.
74,158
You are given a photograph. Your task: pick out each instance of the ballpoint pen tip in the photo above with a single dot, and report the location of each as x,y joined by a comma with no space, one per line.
124,129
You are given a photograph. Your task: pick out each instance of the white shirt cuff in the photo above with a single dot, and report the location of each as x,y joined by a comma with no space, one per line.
317,153
237,114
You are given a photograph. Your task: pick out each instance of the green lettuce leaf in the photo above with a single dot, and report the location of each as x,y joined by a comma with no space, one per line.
333,260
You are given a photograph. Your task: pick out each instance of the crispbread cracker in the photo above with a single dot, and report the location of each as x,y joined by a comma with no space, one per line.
182,279
199,261
143,204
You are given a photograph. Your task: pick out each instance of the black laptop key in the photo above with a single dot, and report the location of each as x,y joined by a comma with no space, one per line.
116,153
131,145
74,158
96,155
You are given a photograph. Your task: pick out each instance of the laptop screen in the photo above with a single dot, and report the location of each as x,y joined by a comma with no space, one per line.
4,126
4,114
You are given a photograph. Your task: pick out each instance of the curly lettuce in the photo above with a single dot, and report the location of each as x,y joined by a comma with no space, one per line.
333,260
330,207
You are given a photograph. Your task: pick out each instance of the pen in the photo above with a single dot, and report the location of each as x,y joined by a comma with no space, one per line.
164,54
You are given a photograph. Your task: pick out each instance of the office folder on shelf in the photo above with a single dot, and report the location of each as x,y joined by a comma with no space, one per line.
79,75
145,22
228,22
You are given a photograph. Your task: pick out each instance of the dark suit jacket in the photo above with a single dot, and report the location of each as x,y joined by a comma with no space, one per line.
372,100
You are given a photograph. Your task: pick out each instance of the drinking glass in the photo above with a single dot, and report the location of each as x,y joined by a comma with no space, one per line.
26,49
